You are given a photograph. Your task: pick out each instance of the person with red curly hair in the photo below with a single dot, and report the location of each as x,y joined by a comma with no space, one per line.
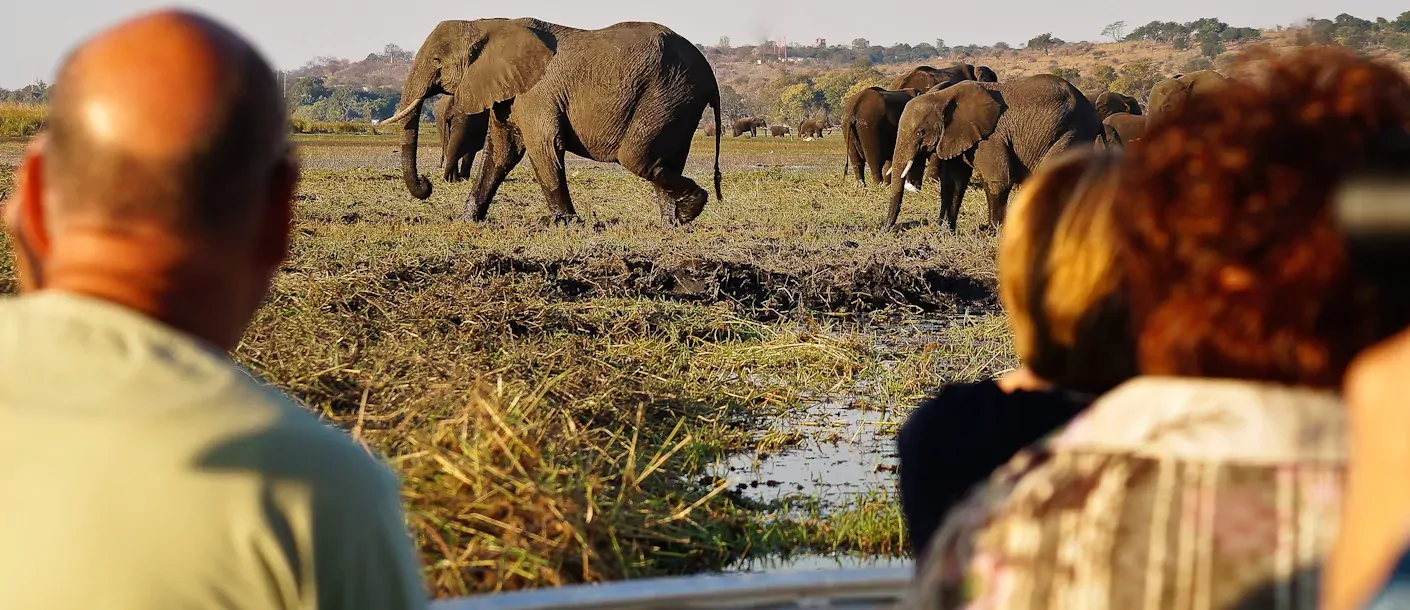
1214,478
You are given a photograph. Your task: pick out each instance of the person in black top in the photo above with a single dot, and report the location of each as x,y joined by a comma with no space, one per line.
1059,288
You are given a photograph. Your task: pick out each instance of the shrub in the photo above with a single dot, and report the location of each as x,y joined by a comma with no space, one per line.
21,120
1195,64
1136,79
332,127
1071,75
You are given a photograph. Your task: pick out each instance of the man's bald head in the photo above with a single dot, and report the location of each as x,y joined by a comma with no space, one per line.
168,117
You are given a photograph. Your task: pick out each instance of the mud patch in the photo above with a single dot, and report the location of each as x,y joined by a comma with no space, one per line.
763,294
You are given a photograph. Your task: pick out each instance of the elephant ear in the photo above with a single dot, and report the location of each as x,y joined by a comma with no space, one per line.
968,114
505,60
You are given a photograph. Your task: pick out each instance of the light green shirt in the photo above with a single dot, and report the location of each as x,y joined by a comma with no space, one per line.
141,468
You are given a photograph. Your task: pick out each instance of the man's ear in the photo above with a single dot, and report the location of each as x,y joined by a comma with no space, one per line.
25,219
278,213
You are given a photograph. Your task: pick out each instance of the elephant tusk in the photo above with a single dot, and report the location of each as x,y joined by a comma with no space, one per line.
401,114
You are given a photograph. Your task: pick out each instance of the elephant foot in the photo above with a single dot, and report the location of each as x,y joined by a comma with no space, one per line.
690,206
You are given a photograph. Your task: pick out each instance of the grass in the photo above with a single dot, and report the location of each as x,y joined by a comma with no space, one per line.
21,120
552,396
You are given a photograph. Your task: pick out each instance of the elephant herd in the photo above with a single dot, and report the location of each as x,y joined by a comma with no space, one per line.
942,125
808,128
632,94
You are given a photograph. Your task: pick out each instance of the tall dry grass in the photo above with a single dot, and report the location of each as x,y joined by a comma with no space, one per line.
21,120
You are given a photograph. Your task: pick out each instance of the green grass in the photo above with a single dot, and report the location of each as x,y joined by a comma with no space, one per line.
553,395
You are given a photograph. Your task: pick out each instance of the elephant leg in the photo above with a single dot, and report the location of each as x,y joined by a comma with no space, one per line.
954,181
681,200
454,148
503,151
933,170
876,160
994,164
546,153
858,163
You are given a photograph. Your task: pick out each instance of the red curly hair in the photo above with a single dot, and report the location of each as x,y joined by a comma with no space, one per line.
1235,267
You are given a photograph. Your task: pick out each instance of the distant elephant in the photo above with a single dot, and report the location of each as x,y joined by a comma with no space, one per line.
1108,103
630,93
462,134
779,131
869,123
926,77
813,128
1005,131
1170,93
711,129
1122,128
750,125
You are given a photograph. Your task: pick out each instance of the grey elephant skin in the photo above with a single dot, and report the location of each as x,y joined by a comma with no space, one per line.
1120,129
812,128
869,124
1108,103
462,137
631,93
1171,93
750,125
1005,131
927,77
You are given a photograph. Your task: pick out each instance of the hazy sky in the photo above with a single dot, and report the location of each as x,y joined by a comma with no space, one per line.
34,34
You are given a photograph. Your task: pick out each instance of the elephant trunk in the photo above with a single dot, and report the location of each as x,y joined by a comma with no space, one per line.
418,87
907,150
416,184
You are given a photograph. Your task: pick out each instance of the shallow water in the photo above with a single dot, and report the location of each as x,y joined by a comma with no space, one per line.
843,455
812,561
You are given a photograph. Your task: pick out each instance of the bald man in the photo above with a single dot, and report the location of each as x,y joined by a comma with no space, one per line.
139,466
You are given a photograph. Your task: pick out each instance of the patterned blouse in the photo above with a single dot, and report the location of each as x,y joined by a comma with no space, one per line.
1178,494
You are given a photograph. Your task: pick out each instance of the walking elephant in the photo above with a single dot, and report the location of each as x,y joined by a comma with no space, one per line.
1005,131
1108,103
812,128
926,77
750,125
711,129
779,131
462,137
1169,94
1121,128
869,123
630,93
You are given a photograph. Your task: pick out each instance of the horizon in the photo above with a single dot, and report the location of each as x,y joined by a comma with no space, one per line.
289,36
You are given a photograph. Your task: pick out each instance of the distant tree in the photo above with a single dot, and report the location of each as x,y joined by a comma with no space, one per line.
1181,43
1045,42
732,104
1402,23
1002,46
1115,30
798,102
1209,44
861,44
723,42
394,53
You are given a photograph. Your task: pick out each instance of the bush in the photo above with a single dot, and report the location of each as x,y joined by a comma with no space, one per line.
332,127
1136,79
1071,75
21,120
1195,64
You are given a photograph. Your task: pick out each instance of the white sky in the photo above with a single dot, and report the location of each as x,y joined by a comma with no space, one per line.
35,34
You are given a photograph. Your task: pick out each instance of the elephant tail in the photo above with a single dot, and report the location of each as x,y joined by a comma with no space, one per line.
719,196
